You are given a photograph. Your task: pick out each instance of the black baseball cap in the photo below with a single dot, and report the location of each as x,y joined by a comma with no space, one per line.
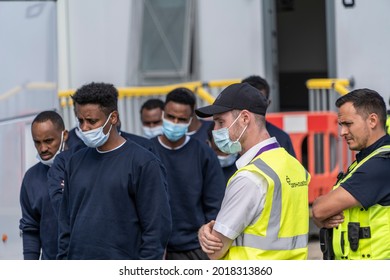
240,96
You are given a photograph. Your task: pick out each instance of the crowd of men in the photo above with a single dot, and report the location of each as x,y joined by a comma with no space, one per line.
195,188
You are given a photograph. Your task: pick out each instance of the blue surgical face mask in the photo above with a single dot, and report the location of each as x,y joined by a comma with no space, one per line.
174,131
50,161
222,140
94,138
228,160
151,132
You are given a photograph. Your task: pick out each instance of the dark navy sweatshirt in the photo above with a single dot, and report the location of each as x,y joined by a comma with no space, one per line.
114,205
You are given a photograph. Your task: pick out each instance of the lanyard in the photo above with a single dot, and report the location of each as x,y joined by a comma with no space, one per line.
267,148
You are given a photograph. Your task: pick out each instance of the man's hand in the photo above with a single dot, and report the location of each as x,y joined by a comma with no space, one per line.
209,243
331,222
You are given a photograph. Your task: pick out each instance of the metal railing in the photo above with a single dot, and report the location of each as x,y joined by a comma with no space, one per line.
132,98
324,92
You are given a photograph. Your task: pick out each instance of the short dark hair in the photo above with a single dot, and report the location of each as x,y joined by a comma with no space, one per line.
259,83
52,116
103,94
365,101
182,96
152,103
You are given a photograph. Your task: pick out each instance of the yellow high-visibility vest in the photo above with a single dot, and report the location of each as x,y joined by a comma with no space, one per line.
388,124
281,230
365,233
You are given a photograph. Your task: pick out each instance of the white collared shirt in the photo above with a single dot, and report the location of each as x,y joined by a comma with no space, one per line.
250,154
244,197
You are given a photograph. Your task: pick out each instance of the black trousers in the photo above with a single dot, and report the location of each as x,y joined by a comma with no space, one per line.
196,254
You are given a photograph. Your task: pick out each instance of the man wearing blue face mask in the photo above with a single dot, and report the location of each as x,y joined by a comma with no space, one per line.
55,174
151,117
265,210
195,180
39,223
106,210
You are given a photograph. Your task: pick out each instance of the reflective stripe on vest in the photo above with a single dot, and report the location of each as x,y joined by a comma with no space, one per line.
272,241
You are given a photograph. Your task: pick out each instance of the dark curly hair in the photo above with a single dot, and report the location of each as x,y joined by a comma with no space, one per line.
182,96
152,103
105,95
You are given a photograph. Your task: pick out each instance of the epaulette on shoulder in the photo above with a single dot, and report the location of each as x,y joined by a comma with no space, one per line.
385,154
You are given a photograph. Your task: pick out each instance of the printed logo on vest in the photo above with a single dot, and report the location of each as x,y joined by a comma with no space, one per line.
295,184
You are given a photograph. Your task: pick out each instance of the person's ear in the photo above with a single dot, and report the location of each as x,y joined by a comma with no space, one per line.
66,135
373,120
114,119
246,116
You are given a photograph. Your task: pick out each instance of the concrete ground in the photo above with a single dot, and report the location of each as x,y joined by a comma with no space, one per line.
314,249
314,242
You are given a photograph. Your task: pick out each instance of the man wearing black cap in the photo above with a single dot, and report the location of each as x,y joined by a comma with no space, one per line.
265,211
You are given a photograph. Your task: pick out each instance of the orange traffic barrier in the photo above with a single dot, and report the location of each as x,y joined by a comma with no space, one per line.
317,145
